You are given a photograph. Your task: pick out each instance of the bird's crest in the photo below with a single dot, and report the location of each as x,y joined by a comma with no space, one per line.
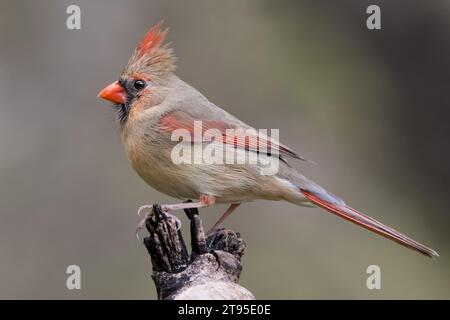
151,56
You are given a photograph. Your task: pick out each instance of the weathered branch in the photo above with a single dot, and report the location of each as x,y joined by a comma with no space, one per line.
210,272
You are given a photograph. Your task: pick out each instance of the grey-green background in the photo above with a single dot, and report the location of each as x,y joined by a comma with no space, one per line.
370,107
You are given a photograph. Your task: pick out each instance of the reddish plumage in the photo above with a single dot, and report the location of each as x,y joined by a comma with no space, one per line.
238,137
369,223
151,41
151,59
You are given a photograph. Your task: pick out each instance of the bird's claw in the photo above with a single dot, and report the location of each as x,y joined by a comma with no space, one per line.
142,223
149,213
141,208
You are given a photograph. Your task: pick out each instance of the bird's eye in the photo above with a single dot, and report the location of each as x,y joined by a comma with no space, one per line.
139,84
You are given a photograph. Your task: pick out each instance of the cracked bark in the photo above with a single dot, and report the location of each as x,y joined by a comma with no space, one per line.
212,269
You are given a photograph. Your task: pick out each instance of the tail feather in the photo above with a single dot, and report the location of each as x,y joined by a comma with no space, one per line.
369,223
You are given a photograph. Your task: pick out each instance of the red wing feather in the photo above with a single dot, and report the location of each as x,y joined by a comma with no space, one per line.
250,140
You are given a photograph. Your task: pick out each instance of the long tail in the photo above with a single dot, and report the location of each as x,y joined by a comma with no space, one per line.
367,222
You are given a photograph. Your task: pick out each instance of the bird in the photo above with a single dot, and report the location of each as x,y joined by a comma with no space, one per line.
157,112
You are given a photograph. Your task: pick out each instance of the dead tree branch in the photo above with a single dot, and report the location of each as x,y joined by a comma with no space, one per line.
212,269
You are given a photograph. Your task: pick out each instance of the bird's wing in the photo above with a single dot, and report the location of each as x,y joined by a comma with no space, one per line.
230,131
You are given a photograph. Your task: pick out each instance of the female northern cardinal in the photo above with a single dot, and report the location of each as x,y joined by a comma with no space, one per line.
152,102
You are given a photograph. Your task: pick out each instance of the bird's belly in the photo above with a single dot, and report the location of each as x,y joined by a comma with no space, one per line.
167,179
189,181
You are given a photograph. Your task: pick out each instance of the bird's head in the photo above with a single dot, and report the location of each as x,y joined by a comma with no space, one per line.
143,81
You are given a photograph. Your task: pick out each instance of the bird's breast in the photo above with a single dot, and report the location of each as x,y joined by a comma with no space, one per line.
150,156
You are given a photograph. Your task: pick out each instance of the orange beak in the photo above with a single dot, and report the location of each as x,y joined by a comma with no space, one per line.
114,93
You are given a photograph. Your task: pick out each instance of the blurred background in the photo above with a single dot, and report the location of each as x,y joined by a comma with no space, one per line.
370,107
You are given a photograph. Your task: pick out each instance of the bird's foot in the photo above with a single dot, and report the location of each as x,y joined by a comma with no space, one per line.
150,211
205,201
